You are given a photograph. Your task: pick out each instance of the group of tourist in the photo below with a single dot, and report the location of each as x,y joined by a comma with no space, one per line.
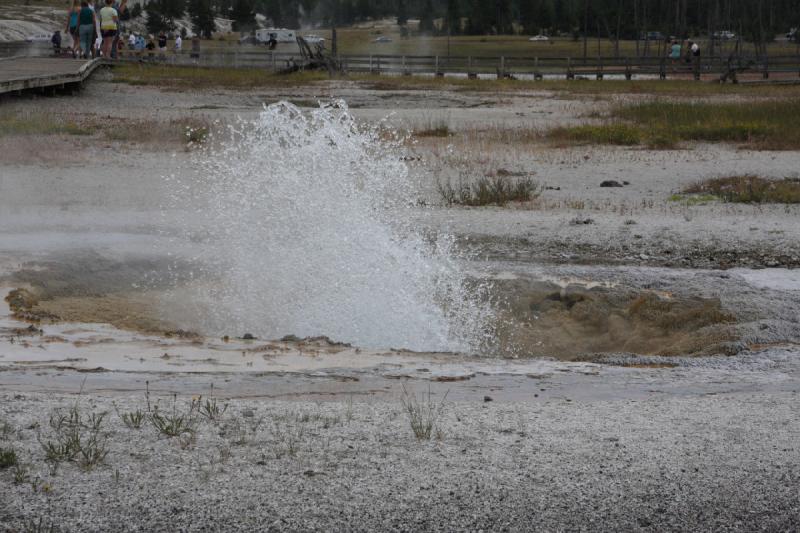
94,30
675,52
98,32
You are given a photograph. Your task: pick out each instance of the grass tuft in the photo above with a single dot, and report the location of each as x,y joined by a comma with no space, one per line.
8,458
423,413
747,189
495,190
75,438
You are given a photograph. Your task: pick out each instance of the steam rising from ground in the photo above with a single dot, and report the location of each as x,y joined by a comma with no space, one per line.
308,233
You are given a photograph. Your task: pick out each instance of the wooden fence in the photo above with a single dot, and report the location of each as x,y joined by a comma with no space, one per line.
499,67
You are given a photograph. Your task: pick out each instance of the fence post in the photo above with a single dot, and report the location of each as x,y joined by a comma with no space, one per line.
537,75
599,68
628,71
696,68
765,74
502,67
662,69
370,63
570,75
471,75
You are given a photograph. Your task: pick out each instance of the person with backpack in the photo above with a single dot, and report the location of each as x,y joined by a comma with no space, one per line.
72,26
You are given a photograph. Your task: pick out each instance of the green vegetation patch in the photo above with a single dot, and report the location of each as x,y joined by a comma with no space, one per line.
496,190
614,133
8,458
204,78
39,124
748,189
765,125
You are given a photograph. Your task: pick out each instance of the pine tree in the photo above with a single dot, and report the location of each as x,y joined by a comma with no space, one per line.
426,18
452,19
243,15
161,14
402,13
202,15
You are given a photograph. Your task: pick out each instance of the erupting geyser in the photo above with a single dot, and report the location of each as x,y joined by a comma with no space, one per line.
308,232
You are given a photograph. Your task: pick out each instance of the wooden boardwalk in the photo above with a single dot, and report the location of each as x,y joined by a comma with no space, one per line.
42,73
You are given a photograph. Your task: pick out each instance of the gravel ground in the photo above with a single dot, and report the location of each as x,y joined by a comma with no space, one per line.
708,445
664,463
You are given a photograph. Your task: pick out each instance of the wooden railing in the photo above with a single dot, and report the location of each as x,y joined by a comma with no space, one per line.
501,67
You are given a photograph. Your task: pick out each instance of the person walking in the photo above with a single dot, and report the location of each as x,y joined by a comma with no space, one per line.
195,48
109,22
72,27
86,22
675,53
162,46
121,7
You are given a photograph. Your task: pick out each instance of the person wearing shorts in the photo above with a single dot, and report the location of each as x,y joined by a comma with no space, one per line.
109,22
72,26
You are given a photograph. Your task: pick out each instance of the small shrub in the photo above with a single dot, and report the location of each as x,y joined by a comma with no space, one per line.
75,438
495,190
8,458
211,409
21,474
175,424
133,419
196,135
423,413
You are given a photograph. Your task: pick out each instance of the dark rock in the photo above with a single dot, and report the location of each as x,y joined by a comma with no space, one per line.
248,337
611,183
488,399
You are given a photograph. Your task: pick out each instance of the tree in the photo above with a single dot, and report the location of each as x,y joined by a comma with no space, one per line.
402,14
202,15
426,18
363,9
452,19
161,14
527,16
243,15
545,14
